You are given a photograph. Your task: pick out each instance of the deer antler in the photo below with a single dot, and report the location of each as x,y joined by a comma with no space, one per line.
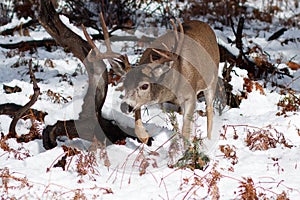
170,55
179,37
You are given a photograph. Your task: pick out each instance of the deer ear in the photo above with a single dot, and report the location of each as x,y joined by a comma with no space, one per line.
161,69
155,71
118,66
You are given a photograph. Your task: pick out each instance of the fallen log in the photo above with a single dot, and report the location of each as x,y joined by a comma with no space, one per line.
10,31
28,45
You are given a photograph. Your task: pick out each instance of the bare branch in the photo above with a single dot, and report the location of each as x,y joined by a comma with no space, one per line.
88,38
95,54
12,127
105,33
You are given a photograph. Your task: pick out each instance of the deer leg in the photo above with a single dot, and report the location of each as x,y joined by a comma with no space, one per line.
209,97
188,113
139,129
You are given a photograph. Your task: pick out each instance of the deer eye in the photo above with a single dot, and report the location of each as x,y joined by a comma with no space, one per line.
144,86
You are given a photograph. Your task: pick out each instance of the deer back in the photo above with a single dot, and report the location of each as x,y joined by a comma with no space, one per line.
199,55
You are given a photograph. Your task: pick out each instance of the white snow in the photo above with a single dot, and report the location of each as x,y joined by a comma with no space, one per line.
27,170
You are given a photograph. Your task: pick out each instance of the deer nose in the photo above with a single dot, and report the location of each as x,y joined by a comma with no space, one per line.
126,108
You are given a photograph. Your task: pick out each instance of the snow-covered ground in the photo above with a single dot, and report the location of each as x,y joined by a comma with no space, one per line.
27,170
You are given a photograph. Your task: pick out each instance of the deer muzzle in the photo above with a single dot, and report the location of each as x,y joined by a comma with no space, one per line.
126,108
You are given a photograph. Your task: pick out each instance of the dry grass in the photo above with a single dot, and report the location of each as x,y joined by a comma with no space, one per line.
12,182
265,138
229,153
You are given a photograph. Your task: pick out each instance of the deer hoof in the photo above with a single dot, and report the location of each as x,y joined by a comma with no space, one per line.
144,140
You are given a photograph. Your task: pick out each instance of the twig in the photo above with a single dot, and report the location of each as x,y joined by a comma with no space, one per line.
169,174
123,166
55,161
288,85
165,142
165,189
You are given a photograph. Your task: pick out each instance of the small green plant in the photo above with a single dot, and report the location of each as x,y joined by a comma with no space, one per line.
289,103
193,158
173,120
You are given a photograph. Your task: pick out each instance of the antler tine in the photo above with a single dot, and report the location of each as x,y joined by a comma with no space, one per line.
180,25
174,28
162,54
179,37
165,56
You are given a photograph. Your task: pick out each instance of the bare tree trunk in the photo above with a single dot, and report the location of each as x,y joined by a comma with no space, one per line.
63,35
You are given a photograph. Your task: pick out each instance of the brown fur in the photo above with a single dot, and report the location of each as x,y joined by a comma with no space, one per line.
181,80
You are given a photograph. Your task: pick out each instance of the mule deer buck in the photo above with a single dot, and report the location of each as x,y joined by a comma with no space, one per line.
177,66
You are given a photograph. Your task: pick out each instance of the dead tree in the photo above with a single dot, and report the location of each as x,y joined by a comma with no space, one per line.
88,124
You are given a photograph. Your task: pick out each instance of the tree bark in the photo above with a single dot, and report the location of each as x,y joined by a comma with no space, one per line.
65,37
